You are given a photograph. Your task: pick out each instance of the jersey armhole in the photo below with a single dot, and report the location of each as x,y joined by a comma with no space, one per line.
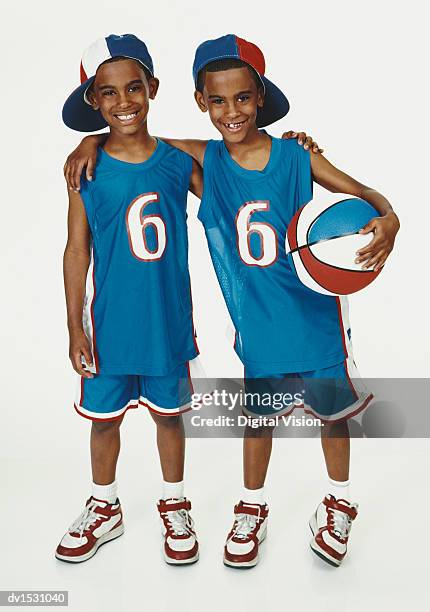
88,201
188,169
206,199
304,178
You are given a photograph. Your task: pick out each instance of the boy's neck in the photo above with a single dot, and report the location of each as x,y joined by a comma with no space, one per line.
133,148
253,153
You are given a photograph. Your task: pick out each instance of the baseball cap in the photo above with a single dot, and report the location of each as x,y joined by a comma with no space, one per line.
77,111
276,104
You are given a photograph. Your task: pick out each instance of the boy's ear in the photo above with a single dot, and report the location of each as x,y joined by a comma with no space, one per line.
153,85
198,96
260,98
92,100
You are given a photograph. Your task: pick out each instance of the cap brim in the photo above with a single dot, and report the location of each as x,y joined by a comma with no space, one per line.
275,106
78,115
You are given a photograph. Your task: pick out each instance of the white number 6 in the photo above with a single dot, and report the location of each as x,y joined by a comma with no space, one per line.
244,229
137,224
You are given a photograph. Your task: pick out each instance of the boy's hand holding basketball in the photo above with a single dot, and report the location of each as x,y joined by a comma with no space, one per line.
79,348
376,252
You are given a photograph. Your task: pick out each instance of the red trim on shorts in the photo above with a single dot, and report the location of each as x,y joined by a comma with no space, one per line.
364,405
172,413
104,420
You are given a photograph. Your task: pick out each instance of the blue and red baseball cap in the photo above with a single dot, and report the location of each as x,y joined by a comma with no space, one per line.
77,111
231,46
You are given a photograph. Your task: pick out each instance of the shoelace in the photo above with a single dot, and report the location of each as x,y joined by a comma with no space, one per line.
179,521
340,523
245,524
87,518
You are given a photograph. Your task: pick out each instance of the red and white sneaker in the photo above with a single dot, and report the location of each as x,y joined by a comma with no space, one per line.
249,530
177,526
330,526
99,523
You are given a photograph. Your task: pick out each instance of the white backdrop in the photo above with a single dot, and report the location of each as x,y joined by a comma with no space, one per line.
356,77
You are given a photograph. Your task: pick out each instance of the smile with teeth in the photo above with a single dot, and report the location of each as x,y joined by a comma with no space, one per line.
235,126
126,117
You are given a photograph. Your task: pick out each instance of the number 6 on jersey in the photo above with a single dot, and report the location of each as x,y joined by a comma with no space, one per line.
137,224
245,228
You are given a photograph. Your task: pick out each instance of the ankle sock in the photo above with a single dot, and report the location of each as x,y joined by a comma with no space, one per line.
340,490
106,493
253,496
173,490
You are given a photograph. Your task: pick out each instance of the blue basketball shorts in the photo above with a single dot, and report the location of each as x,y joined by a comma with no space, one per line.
107,397
331,394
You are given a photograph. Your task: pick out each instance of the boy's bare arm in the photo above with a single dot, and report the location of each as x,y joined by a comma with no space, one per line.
308,142
195,148
85,156
75,267
196,180
384,227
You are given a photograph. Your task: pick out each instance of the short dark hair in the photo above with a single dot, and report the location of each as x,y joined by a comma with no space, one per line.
225,64
119,58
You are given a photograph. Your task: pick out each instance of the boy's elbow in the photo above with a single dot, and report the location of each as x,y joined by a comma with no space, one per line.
75,253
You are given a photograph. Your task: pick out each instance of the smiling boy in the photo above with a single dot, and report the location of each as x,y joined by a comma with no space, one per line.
283,330
128,292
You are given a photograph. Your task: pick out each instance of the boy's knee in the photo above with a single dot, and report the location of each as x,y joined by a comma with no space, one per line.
100,427
336,429
167,421
264,431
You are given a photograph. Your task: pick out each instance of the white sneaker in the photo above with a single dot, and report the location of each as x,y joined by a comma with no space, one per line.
330,526
180,540
241,549
99,523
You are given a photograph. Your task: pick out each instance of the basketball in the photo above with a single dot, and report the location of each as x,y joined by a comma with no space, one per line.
322,243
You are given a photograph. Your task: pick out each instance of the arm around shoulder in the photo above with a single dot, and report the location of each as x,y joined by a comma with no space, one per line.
83,158
195,148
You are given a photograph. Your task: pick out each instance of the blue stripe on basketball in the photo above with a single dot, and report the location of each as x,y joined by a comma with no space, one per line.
345,217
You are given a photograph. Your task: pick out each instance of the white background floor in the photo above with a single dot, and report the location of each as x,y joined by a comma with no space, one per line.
387,566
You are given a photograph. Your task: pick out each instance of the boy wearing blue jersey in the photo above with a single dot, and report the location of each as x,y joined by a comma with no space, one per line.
283,330
128,292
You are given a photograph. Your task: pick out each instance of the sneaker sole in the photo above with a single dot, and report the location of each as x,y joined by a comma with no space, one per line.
246,564
317,549
171,561
107,537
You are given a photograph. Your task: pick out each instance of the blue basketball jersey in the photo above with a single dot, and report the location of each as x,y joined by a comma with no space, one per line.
281,325
138,311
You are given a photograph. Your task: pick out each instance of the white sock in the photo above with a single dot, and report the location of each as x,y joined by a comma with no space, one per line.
253,496
106,493
339,489
173,490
